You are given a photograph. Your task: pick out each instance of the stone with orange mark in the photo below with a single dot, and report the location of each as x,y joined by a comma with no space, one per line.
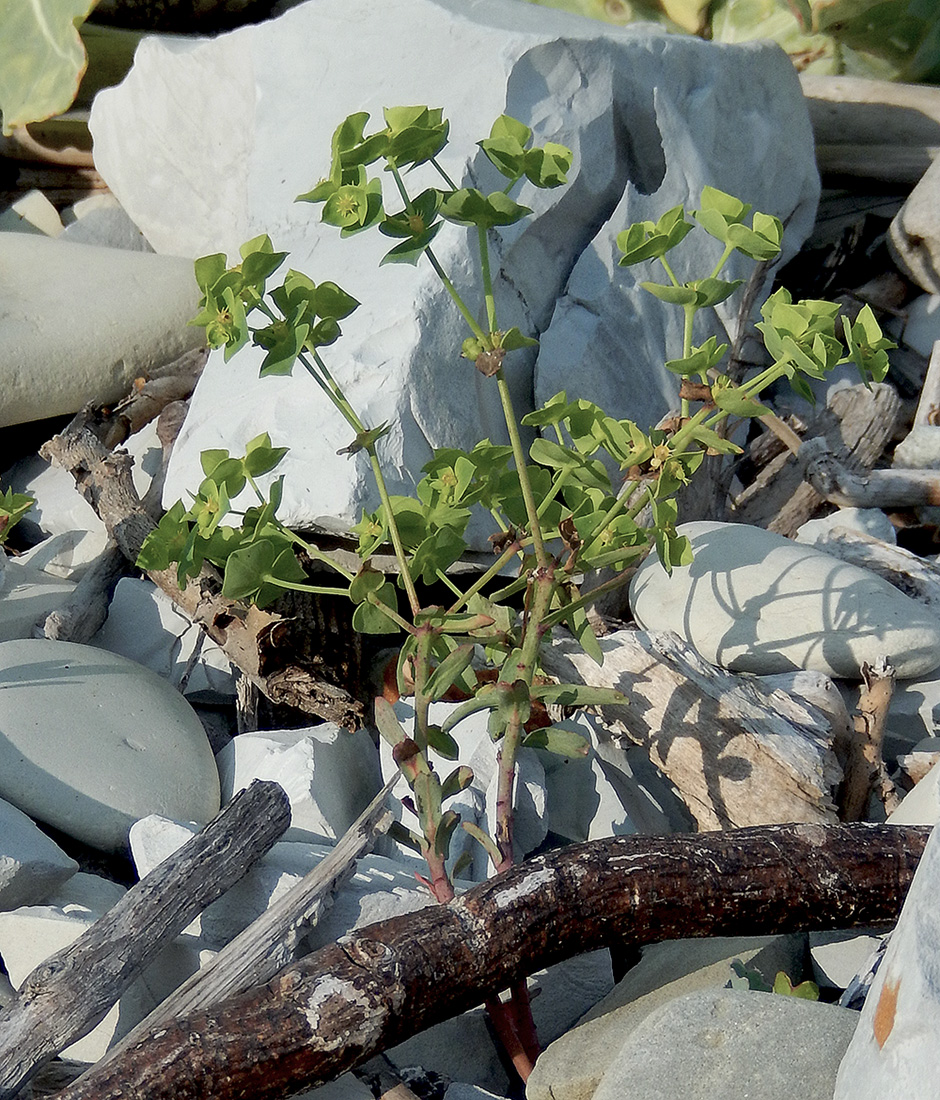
885,1012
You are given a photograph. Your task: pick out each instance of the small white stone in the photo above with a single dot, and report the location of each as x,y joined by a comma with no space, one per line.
922,324
92,742
31,213
27,596
753,601
920,449
144,625
864,521
838,956
330,775
31,865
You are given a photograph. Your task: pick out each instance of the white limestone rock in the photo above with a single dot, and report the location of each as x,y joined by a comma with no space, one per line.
144,625
347,1087
753,601
31,865
894,1049
27,596
330,774
914,235
271,95
922,324
838,956
571,1067
92,742
920,806
378,888
117,314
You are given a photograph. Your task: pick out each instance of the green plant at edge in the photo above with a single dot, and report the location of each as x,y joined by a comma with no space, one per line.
13,506
555,510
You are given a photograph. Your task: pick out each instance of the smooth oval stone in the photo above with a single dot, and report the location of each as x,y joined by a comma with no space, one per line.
753,601
91,742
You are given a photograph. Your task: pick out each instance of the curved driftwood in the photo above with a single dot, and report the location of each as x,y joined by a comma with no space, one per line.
381,984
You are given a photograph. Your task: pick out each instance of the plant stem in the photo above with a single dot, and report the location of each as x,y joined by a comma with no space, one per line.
458,301
512,426
493,571
487,278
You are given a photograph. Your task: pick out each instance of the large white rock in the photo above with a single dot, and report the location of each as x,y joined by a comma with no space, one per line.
31,865
894,1049
330,774
753,601
650,117
116,315
91,742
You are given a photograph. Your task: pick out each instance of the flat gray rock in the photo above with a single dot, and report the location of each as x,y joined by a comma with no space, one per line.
732,1045
753,601
90,742
271,95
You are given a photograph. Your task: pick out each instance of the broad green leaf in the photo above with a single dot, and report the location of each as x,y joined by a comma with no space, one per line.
805,991
548,165
442,743
42,58
469,206
558,739
735,401
386,721
458,780
443,677
260,456
13,506
370,619
483,839
675,295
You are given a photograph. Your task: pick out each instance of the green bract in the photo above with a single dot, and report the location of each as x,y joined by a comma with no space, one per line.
13,506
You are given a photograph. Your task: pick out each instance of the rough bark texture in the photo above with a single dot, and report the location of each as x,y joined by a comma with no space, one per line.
65,996
383,983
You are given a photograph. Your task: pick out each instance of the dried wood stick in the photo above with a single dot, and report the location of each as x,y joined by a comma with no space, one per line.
85,611
379,985
65,996
865,768
895,488
270,942
255,641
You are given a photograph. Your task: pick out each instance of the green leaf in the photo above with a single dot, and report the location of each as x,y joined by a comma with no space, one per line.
701,361
365,439
164,544
805,991
42,58
675,295
468,206
487,842
261,457
366,581
485,699
512,339
452,667
548,165
13,506
449,821
331,301
458,780
442,743
370,619
558,739
734,400
386,722
209,269
648,240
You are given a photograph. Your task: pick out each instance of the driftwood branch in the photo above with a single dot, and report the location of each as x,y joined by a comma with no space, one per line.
71,991
856,424
270,942
896,488
865,769
379,985
256,641
737,753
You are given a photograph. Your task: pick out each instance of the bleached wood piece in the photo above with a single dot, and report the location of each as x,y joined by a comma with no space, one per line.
865,770
270,942
65,996
738,754
895,488
928,407
856,424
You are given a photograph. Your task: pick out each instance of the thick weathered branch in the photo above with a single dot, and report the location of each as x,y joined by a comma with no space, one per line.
381,984
253,640
72,990
865,769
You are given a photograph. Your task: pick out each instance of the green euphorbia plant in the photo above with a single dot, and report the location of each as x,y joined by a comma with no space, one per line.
555,512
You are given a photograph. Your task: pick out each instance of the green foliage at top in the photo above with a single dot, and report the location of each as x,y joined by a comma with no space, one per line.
42,59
